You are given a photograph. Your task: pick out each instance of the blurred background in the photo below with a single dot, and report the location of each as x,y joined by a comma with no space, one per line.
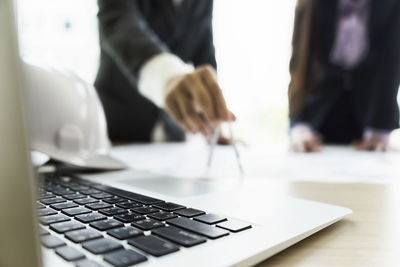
58,33
64,34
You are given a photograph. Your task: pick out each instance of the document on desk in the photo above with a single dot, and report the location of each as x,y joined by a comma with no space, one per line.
333,164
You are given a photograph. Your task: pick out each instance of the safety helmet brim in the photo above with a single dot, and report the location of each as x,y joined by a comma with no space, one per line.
95,161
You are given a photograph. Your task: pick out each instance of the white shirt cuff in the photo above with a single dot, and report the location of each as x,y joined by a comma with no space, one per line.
302,131
155,74
158,134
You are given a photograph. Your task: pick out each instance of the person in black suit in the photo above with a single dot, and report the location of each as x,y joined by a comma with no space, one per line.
158,55
345,73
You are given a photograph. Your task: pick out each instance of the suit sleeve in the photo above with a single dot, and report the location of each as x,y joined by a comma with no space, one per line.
386,78
298,25
300,62
205,50
125,35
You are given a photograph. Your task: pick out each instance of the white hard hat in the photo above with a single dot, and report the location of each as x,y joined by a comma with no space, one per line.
66,119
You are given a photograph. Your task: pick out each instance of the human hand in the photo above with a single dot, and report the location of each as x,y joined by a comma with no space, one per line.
372,145
304,139
222,140
374,140
195,94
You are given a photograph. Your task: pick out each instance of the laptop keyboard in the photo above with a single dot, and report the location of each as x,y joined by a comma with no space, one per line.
124,228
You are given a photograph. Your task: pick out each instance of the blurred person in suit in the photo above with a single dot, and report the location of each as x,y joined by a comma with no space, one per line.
345,73
157,74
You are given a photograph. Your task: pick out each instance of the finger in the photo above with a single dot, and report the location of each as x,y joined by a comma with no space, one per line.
219,104
190,115
310,146
173,108
185,117
361,146
176,112
366,146
318,145
232,116
301,147
314,145
298,147
371,146
202,98
380,147
224,141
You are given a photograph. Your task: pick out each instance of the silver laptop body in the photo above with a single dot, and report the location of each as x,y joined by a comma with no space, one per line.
18,234
276,221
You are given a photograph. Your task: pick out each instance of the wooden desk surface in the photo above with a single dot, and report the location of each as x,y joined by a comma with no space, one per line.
368,237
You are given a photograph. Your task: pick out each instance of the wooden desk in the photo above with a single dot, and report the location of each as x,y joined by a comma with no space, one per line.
368,237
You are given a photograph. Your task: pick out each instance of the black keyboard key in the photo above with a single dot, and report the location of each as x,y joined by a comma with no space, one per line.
53,219
234,225
128,204
46,195
210,218
98,205
60,181
124,232
145,210
189,212
147,224
46,211
63,227
90,191
162,215
86,200
64,205
153,245
101,195
70,254
43,231
101,246
104,225
53,200
83,235
87,263
114,200
198,227
79,187
90,217
124,257
74,196
51,241
40,206
113,211
76,211
52,186
129,217
179,236
64,191
168,206
130,195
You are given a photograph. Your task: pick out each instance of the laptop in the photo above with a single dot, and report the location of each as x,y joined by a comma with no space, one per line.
131,217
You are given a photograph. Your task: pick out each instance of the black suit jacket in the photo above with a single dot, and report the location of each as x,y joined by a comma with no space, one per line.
133,31
370,90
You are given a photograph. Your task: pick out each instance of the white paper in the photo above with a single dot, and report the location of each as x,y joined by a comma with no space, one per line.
333,164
